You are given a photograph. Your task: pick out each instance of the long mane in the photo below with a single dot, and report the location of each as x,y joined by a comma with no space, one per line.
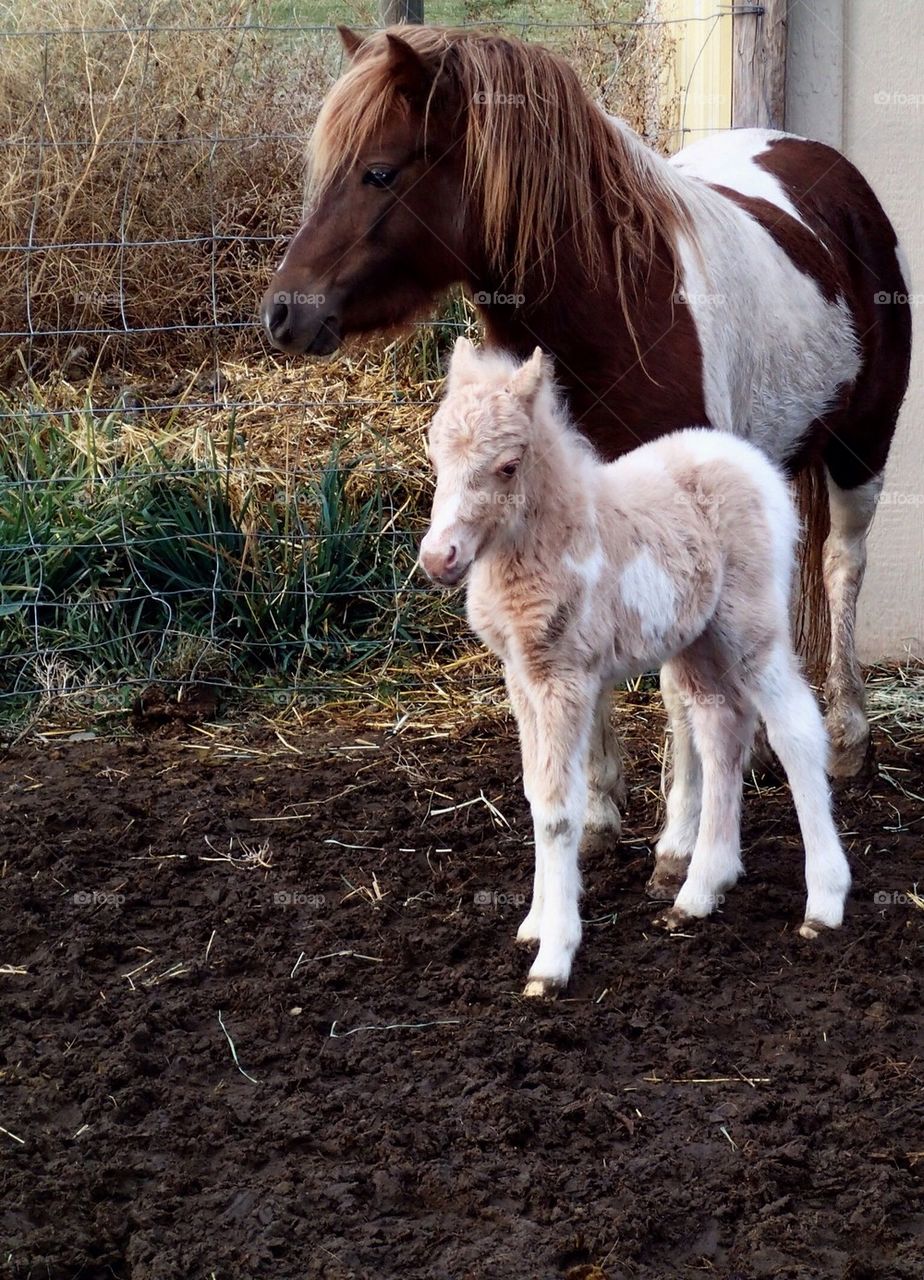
541,159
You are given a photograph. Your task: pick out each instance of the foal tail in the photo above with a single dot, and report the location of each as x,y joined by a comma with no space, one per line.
811,618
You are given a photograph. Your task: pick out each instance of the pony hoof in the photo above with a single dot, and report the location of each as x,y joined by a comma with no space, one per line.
672,919
855,761
667,878
812,929
542,989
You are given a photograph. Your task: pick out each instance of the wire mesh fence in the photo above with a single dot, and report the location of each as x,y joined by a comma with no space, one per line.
176,502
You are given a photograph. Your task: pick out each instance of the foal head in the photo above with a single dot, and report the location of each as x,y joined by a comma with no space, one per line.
479,444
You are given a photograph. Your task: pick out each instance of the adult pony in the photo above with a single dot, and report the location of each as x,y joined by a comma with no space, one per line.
752,283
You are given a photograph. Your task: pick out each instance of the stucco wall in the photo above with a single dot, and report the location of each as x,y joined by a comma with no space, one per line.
855,78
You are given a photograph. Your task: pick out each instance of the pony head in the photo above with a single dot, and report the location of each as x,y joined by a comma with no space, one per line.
444,157
383,209
479,445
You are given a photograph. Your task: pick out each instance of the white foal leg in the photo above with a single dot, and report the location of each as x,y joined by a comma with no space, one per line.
722,731
528,931
605,778
852,512
797,735
564,713
684,796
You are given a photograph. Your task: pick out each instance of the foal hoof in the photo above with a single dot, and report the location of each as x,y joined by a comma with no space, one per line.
812,929
672,919
667,878
542,989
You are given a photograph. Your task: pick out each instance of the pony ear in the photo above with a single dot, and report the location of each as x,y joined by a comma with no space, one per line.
463,365
352,43
407,67
530,376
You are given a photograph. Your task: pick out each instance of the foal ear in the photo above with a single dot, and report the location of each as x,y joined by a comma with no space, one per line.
530,376
352,43
408,69
463,364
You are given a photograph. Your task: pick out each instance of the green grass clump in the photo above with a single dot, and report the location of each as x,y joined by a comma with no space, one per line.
115,569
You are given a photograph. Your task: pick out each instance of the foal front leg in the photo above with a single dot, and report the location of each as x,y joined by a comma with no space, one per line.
563,711
528,931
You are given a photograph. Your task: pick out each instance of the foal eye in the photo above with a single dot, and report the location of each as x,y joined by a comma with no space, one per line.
380,177
509,469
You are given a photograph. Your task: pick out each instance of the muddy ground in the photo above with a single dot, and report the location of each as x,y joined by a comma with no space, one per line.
735,1103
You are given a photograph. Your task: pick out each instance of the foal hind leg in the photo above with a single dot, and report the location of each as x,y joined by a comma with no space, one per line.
723,728
606,783
852,512
684,796
797,734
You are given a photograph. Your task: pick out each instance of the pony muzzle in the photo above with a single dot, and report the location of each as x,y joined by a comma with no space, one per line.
443,560
300,323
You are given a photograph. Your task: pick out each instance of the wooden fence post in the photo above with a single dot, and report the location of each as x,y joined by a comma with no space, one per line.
396,11
759,64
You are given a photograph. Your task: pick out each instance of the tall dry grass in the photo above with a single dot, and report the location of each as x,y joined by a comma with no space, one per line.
134,125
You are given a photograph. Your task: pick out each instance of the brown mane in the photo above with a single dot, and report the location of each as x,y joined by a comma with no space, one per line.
553,165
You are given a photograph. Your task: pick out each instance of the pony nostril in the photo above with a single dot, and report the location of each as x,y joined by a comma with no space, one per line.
277,319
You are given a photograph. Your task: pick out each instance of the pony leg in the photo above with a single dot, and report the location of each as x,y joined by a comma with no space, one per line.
723,729
605,778
797,735
684,798
852,512
564,712
528,931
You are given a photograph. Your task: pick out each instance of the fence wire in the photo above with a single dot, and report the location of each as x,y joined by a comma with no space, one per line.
176,502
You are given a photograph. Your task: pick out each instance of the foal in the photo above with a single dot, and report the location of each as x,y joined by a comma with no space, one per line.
581,574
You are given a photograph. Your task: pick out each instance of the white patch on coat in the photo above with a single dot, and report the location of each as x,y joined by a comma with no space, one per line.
727,159
589,567
647,587
775,352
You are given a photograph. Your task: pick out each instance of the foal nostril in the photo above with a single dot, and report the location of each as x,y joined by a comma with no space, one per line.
277,320
451,556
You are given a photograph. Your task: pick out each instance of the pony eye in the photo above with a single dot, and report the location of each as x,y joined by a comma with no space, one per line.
509,469
379,176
